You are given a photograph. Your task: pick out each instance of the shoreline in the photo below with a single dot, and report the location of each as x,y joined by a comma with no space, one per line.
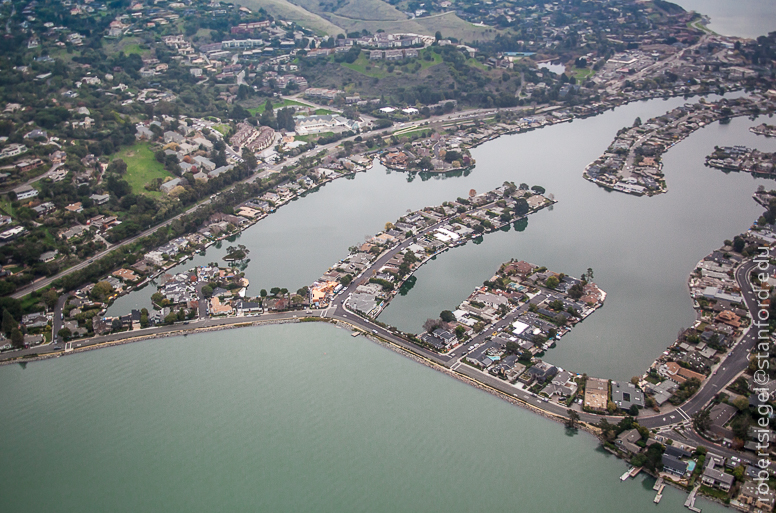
583,426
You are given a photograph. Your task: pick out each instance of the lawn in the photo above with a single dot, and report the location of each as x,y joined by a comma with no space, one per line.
142,167
221,128
378,68
583,73
134,49
323,112
5,206
312,137
260,109
360,65
476,64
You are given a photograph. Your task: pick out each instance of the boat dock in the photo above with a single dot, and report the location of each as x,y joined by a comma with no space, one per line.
635,471
690,502
659,486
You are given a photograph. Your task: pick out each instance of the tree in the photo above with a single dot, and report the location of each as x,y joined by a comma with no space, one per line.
17,338
101,290
65,333
702,420
637,122
430,325
9,323
249,158
633,410
438,36
741,402
447,316
50,297
207,291
552,282
573,417
611,407
116,325
738,243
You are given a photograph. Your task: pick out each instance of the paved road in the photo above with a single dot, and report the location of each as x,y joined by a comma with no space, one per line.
190,326
57,322
21,292
735,363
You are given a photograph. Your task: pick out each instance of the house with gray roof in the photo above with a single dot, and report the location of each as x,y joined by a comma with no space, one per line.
627,441
626,395
674,466
167,187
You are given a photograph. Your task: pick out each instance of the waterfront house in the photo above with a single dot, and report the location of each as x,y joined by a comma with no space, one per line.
247,307
542,371
751,495
673,465
562,384
626,395
596,393
677,373
217,308
716,478
626,441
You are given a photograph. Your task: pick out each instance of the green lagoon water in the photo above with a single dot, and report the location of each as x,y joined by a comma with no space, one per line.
289,418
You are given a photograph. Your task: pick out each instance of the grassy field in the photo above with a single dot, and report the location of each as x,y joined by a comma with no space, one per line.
260,109
477,64
134,49
378,68
583,74
372,10
323,112
448,24
312,137
5,206
221,128
142,167
289,11
356,15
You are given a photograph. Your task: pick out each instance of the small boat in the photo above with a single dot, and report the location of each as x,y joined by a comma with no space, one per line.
626,475
355,334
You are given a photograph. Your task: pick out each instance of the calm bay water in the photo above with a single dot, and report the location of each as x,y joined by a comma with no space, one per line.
641,249
741,18
286,418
